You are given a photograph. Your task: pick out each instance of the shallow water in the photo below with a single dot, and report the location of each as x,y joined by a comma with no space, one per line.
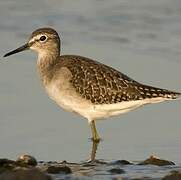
103,171
140,38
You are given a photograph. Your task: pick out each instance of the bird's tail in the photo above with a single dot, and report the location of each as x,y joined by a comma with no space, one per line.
153,92
173,95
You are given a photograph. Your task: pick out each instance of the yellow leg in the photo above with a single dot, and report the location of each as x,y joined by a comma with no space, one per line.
95,136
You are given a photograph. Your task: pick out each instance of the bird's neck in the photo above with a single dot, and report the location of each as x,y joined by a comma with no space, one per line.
46,63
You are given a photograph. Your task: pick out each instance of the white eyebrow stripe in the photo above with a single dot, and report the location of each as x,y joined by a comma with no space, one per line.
35,38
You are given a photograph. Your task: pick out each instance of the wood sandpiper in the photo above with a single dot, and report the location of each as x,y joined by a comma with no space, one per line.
85,86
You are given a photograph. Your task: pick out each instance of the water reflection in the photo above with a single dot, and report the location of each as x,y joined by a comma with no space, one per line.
95,145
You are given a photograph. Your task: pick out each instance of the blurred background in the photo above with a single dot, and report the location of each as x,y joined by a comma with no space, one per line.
140,38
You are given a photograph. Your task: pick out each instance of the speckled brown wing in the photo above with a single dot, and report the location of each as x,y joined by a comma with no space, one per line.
102,84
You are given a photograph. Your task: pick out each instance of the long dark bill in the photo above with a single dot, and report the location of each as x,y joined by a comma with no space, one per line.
22,48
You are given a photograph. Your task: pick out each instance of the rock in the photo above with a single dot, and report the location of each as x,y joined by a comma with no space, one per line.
156,161
175,175
55,169
116,171
6,164
142,178
121,162
117,178
124,162
22,163
26,159
24,174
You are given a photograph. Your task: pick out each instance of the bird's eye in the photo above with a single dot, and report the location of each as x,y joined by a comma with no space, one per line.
43,38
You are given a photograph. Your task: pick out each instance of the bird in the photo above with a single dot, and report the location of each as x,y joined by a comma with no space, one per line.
85,86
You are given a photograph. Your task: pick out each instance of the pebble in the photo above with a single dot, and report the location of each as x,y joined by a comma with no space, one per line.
175,175
58,169
121,162
153,160
116,171
25,174
27,159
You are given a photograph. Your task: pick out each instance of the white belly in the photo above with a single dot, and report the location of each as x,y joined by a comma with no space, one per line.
69,100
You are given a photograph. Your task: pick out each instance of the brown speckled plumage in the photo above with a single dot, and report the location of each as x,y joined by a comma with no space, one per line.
87,87
104,85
